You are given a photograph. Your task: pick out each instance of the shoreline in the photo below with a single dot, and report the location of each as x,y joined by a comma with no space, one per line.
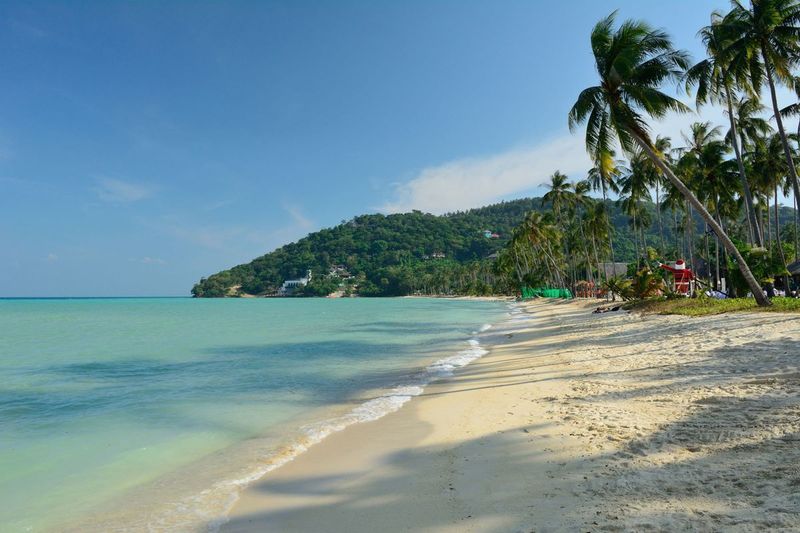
215,490
572,421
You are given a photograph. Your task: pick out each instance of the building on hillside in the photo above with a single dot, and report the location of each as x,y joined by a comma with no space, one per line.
438,255
339,271
490,234
291,285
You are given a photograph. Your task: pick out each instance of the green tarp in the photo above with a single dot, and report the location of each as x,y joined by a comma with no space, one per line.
543,292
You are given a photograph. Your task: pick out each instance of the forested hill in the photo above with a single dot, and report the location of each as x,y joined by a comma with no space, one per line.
377,249
387,255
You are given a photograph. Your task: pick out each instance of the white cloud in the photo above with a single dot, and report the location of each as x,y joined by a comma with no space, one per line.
474,182
118,191
51,258
151,261
477,181
234,237
300,221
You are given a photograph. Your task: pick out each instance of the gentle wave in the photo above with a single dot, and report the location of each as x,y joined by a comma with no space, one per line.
212,505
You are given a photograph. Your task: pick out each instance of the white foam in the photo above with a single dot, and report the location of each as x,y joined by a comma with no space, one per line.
213,505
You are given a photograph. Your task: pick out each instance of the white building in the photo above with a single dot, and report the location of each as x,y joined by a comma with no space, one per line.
290,285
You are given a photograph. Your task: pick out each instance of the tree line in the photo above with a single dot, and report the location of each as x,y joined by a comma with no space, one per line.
732,176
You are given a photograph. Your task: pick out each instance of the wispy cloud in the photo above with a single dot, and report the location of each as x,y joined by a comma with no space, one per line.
299,219
146,260
51,258
236,237
118,191
474,182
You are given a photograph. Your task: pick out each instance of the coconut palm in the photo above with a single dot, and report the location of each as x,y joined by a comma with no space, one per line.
633,62
562,199
791,111
559,195
603,176
634,191
663,146
766,37
715,80
713,175
772,174
582,203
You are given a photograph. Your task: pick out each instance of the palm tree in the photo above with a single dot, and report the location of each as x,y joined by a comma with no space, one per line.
773,173
561,198
663,146
559,195
634,190
582,203
766,38
715,78
632,62
597,224
790,111
711,173
603,176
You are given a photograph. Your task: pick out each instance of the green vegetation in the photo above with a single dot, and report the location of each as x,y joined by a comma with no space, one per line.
713,201
394,255
710,306
719,192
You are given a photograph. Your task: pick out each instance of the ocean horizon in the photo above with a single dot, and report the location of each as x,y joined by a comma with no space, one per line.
154,412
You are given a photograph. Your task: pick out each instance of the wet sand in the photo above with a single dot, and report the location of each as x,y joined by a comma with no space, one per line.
573,421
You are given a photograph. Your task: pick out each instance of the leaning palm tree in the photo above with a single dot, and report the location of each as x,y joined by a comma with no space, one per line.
715,79
632,62
766,37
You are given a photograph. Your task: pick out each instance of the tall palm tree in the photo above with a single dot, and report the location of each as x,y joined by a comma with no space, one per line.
562,199
790,111
663,146
559,195
582,202
766,37
632,62
773,173
715,79
634,191
603,176
706,160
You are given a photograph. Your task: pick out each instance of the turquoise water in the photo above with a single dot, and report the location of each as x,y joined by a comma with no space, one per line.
153,413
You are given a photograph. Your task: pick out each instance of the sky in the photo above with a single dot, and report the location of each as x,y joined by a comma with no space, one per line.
144,145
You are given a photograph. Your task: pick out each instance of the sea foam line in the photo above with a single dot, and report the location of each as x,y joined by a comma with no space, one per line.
205,506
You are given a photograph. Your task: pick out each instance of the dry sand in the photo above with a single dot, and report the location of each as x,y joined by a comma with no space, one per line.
573,422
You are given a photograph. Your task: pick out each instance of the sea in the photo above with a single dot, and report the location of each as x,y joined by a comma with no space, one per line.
152,414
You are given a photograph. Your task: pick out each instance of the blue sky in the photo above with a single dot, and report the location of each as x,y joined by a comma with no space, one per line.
146,144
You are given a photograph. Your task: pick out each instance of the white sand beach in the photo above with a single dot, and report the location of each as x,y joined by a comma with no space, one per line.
572,422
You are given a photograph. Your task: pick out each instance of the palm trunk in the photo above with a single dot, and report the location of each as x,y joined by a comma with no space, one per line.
796,237
610,225
589,274
660,226
597,260
787,151
636,240
781,255
690,225
759,295
708,254
677,233
769,224
752,220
